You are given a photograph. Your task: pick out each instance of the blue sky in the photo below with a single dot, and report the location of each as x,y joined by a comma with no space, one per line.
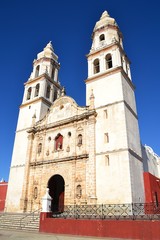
25,29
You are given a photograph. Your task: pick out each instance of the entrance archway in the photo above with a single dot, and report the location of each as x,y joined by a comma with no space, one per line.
56,191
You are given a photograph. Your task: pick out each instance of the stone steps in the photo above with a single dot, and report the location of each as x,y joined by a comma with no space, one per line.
20,221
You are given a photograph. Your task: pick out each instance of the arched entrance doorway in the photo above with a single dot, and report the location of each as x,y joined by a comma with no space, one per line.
56,191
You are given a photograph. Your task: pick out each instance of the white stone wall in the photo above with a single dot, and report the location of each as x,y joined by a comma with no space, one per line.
14,191
113,178
106,89
17,171
128,94
132,128
114,124
123,135
137,183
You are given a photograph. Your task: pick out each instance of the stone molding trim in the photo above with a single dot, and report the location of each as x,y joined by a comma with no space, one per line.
24,129
110,72
63,122
134,154
83,156
99,49
47,59
17,166
42,77
122,150
122,101
130,109
36,100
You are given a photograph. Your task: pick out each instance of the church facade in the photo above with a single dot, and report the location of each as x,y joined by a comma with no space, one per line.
84,155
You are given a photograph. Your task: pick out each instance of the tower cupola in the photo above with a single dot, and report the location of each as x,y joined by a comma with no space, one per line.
105,32
42,87
107,54
105,20
46,63
43,83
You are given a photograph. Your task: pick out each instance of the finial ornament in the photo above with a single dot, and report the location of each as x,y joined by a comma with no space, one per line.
63,92
92,95
34,115
49,45
91,100
34,119
105,14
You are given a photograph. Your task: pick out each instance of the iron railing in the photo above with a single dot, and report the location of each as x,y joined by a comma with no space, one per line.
111,211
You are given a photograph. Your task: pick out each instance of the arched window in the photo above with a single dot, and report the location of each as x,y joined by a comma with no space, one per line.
48,91
37,90
39,150
35,194
53,71
78,191
101,37
37,71
96,66
29,93
58,142
79,140
55,95
108,61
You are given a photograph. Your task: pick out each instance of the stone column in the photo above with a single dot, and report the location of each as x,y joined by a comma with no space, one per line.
43,89
56,75
117,58
52,93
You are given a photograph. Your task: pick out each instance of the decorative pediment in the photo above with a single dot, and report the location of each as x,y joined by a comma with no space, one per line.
63,109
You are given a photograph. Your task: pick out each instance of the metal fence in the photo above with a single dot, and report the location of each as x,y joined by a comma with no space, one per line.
146,211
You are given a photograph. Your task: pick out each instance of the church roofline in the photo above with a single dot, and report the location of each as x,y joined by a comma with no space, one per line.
76,118
106,26
71,101
44,75
37,61
105,20
87,111
36,100
55,160
109,72
107,47
150,150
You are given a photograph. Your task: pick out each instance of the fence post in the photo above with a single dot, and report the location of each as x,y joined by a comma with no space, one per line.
102,212
133,215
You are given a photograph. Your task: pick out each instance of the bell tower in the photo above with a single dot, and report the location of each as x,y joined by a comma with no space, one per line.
41,90
119,170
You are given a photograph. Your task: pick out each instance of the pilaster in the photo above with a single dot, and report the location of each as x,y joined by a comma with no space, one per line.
91,165
24,198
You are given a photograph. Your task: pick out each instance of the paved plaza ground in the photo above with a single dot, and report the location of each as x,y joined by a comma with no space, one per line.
19,235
